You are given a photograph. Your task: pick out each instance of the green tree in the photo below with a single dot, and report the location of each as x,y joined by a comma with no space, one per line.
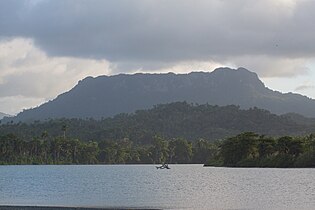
289,145
159,150
180,150
88,153
64,128
266,147
203,151
239,148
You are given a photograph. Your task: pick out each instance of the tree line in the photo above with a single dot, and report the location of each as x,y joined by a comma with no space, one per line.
252,150
63,150
247,149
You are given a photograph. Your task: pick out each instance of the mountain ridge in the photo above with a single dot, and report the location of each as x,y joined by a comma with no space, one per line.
2,115
106,96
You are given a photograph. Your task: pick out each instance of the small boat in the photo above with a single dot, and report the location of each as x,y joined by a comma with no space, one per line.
164,166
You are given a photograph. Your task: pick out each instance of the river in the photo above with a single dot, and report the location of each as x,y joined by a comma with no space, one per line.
144,186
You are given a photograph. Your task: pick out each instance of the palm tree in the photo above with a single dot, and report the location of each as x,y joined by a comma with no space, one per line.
64,129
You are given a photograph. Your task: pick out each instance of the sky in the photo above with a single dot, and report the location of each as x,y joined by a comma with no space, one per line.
47,46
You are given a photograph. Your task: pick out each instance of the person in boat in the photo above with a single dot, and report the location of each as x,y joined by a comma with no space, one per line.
166,166
163,166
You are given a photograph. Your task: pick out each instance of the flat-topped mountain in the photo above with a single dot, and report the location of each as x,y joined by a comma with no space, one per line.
105,96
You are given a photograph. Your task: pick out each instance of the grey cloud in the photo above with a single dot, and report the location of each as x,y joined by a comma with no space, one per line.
28,84
152,34
266,66
304,87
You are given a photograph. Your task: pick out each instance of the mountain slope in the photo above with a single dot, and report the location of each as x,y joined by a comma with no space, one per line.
2,115
174,120
106,96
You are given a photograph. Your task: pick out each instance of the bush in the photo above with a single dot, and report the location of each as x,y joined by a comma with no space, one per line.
214,162
282,161
249,162
305,160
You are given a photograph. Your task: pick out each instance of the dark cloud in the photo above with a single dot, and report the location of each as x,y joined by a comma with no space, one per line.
152,34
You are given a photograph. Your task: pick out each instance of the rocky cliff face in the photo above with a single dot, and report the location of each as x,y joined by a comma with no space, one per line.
105,96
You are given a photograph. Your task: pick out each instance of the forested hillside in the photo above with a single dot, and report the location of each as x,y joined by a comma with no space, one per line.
172,120
176,133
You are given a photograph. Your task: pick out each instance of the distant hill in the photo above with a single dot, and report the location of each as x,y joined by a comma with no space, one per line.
2,115
106,96
174,120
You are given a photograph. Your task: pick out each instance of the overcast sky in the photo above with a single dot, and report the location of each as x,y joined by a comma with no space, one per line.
47,46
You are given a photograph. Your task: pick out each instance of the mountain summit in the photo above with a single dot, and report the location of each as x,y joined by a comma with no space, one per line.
106,96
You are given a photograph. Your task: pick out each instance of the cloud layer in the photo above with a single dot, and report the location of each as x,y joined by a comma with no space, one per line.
28,76
151,34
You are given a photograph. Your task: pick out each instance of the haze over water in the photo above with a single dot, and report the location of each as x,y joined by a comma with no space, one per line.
184,186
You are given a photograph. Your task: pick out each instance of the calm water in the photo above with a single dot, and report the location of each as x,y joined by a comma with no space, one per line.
183,186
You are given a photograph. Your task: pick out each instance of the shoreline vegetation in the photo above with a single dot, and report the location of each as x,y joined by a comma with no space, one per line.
247,149
175,133
252,150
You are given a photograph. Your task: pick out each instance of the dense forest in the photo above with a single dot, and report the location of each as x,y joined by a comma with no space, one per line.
174,120
62,150
173,133
243,150
252,150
